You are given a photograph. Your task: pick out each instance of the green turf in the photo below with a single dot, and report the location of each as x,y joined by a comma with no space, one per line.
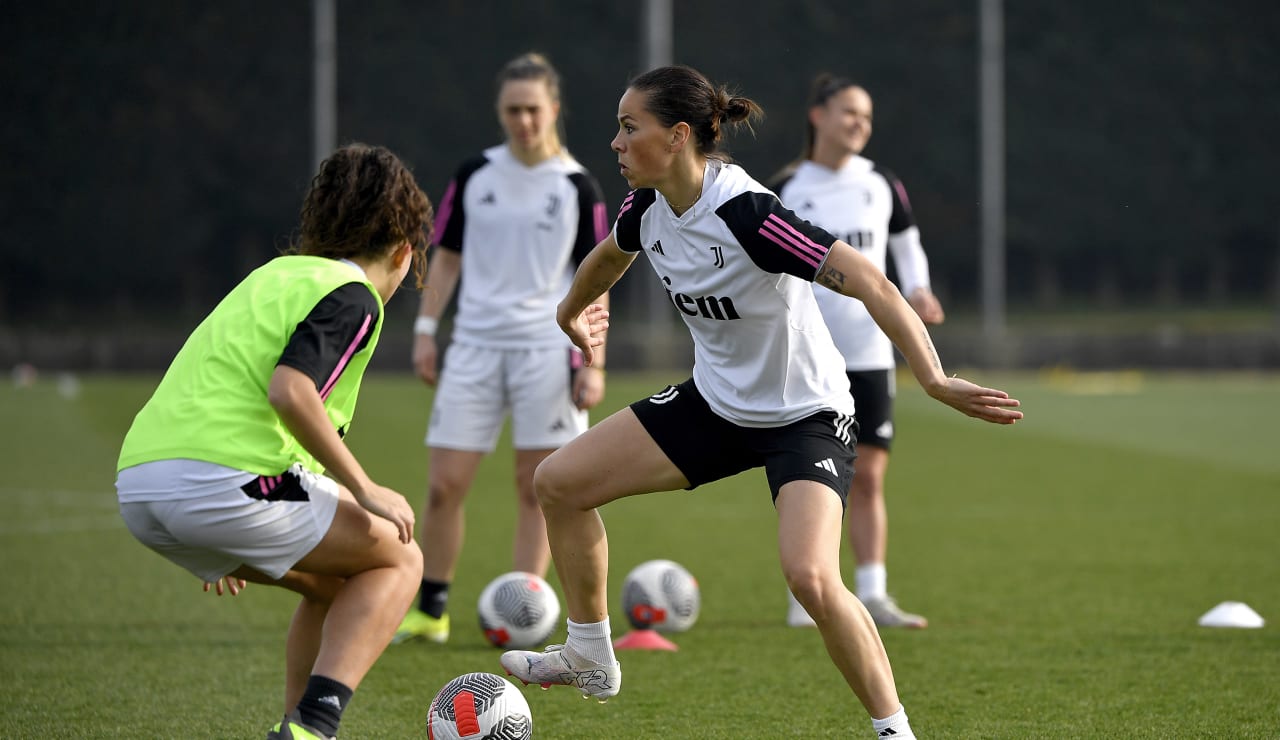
1062,562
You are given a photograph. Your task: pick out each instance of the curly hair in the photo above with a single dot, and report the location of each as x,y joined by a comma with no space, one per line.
364,202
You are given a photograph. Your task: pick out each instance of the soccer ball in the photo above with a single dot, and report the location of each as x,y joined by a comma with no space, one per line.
661,595
482,706
518,610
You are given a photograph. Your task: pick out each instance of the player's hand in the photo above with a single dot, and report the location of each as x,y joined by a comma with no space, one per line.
234,585
390,505
927,306
588,387
587,330
424,358
973,400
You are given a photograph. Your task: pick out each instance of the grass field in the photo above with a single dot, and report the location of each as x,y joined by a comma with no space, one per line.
1062,562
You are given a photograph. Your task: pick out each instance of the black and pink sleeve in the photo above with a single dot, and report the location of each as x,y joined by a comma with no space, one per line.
626,228
339,326
451,217
593,220
775,238
900,218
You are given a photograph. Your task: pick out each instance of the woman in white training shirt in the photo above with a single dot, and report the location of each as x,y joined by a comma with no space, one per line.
768,387
513,225
866,206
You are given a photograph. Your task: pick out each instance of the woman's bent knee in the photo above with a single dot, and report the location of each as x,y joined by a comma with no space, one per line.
410,562
550,482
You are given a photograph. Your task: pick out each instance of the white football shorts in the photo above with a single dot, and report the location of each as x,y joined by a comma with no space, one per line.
479,386
211,519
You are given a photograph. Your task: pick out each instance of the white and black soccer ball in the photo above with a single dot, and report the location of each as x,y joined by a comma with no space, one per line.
479,706
518,610
661,595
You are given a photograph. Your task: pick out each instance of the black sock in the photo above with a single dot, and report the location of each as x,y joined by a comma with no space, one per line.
434,598
322,704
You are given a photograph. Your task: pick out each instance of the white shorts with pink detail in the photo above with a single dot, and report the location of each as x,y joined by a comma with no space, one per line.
211,519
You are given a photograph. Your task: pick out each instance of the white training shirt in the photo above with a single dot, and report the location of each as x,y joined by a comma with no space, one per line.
522,232
737,266
866,206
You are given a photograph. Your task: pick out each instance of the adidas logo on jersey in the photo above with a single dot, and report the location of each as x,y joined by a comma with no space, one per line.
657,247
489,198
828,465
706,306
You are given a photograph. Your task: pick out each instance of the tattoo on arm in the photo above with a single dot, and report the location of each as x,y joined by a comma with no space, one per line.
831,278
933,353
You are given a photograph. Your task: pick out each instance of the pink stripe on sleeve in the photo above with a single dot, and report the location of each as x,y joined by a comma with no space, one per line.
626,204
786,228
346,358
777,240
902,194
445,210
783,234
601,216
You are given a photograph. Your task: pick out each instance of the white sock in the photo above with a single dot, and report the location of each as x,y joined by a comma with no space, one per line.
894,726
592,641
870,580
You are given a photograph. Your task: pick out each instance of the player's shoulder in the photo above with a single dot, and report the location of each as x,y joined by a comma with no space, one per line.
472,164
730,181
568,164
347,298
736,195
579,176
807,175
880,170
637,202
627,224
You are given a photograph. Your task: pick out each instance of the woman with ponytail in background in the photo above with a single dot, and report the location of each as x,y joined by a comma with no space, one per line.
514,223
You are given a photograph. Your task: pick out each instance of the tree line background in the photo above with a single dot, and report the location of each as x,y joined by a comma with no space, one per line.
155,152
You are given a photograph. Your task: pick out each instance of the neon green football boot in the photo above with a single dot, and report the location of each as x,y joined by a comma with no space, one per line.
418,625
291,729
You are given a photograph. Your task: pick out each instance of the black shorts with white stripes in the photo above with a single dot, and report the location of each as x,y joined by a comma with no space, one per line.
706,447
873,392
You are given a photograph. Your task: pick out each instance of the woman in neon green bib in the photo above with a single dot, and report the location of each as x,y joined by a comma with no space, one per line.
235,469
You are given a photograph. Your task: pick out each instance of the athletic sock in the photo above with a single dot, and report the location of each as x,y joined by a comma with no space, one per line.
894,726
592,641
433,599
870,580
322,704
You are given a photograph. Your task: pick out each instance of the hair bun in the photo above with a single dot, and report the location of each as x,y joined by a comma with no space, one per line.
738,108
